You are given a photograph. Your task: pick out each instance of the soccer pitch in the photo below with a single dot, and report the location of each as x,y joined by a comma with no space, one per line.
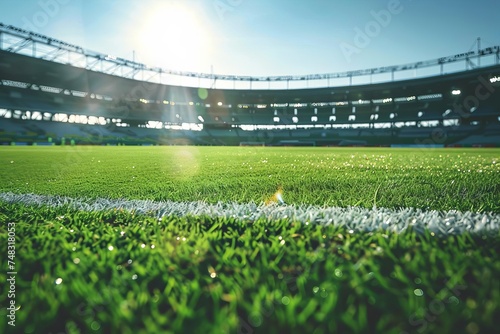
251,239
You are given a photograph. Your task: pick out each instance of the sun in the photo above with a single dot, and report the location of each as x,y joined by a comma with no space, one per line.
173,37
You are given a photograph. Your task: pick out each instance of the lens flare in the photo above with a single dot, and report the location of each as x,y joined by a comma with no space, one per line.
181,162
279,197
276,198
173,34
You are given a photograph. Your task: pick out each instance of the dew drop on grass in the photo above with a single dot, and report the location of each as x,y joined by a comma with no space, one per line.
285,300
255,320
338,272
76,260
58,280
316,289
211,271
95,325
110,248
143,246
418,292
134,277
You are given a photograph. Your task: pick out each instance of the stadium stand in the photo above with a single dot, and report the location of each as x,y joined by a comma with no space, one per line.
56,102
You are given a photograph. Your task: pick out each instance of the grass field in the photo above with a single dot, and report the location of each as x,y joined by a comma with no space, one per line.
119,268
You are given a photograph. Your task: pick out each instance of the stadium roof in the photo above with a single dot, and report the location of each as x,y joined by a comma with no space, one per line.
52,74
20,41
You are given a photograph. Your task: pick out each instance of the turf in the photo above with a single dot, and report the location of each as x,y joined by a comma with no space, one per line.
116,271
451,179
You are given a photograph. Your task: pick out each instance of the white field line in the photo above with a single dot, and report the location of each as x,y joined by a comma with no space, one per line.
354,218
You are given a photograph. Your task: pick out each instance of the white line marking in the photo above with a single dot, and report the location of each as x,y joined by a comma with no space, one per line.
354,218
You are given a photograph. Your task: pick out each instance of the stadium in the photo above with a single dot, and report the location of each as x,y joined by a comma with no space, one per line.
99,99
359,201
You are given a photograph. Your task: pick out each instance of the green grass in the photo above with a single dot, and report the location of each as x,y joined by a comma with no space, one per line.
447,179
126,273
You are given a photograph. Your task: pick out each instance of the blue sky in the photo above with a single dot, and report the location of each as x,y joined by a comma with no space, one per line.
263,37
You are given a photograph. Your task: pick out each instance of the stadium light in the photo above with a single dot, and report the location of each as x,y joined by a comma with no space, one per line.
456,92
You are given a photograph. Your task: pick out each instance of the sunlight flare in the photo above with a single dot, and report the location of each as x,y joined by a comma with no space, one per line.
173,36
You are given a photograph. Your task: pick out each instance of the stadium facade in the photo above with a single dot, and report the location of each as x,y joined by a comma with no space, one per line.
52,92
